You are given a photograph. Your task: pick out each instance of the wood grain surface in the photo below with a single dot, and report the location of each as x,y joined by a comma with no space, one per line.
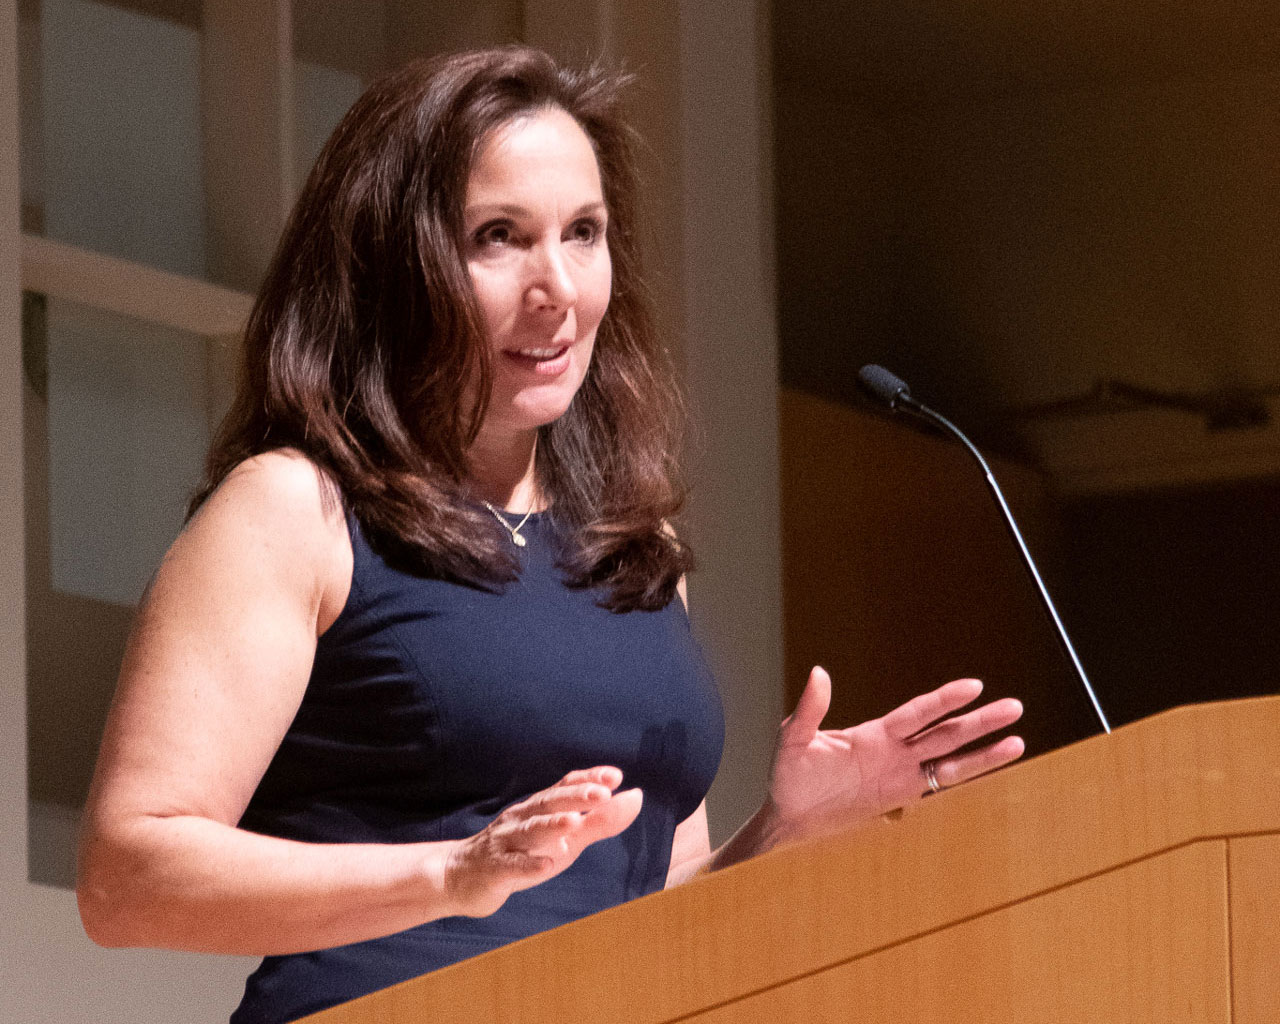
1255,927
1144,944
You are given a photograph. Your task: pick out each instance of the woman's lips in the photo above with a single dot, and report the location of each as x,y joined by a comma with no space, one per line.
547,360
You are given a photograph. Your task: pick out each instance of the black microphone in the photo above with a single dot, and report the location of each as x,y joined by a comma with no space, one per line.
892,391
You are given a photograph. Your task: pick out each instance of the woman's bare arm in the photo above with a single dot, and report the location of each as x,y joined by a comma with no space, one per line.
213,675
690,847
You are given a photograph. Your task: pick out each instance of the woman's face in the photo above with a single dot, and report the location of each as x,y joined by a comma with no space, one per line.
535,247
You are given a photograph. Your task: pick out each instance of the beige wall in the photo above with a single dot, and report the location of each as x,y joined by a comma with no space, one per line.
731,359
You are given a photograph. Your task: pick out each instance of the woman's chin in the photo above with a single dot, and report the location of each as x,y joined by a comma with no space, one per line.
522,417
531,408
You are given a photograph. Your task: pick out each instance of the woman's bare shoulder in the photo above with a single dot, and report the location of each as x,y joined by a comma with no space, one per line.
223,643
282,509
283,481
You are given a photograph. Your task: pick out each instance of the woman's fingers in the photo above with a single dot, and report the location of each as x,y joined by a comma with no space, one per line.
610,819
811,708
903,722
605,775
581,796
567,817
577,791
952,771
551,818
534,849
536,839
954,733
577,827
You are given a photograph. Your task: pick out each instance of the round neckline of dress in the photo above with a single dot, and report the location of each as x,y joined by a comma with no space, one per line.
516,520
519,515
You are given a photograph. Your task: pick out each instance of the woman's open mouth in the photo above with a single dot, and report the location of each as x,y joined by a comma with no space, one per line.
547,360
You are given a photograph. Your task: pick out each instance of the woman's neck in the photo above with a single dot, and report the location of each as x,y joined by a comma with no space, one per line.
503,471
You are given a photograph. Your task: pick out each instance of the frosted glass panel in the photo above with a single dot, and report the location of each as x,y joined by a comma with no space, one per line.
128,425
119,98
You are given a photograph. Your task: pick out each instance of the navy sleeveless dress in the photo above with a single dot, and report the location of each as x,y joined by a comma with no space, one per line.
432,705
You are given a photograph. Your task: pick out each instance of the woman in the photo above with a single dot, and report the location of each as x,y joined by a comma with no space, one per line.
385,689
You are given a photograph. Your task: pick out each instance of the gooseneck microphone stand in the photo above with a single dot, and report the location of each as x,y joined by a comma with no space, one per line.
893,392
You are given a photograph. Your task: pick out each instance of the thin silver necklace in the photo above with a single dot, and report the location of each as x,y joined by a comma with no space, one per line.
516,538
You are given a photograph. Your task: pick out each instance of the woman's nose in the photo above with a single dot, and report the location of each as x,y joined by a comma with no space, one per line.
551,284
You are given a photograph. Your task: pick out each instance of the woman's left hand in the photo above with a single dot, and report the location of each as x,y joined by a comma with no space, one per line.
822,780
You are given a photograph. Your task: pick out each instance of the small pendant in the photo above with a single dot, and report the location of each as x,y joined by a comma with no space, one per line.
519,541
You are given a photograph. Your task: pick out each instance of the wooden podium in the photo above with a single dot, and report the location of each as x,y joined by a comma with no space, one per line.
1131,877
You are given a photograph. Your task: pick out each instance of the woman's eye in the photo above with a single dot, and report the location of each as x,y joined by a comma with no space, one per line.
587,231
494,234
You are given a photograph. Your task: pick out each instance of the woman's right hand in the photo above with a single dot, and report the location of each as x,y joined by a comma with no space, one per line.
537,838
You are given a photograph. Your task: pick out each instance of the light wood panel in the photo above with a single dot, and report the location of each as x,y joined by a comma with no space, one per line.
1182,778
68,272
1255,923
1095,951
246,120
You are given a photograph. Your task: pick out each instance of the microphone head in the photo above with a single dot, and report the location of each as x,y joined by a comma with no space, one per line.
882,385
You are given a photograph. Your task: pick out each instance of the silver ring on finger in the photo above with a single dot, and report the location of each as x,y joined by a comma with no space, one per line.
930,769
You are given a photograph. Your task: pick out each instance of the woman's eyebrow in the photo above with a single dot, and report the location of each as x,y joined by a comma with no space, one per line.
516,211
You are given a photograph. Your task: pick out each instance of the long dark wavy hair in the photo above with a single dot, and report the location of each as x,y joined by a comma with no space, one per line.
366,332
